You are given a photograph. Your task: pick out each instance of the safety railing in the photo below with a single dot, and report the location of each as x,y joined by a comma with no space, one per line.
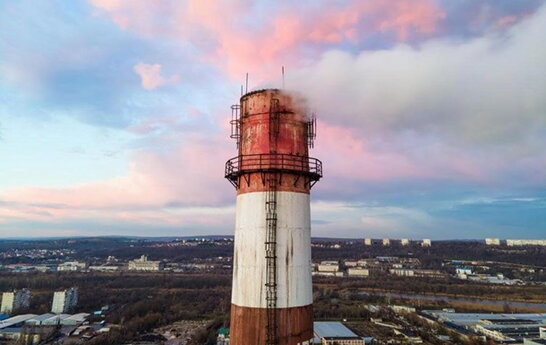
273,163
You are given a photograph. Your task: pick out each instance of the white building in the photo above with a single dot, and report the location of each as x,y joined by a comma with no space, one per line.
351,263
72,266
492,241
463,272
426,242
143,264
328,267
104,268
512,243
386,242
368,241
404,241
402,272
358,272
64,301
15,301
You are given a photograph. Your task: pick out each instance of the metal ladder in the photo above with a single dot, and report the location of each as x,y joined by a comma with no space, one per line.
235,123
271,231
271,261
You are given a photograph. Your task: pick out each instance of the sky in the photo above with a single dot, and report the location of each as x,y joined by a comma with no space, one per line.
114,114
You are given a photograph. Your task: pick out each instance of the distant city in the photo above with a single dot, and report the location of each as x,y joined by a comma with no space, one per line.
396,291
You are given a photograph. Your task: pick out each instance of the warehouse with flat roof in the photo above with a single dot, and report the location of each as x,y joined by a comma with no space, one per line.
331,332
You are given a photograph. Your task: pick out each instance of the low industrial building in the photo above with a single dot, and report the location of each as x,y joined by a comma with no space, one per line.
512,243
405,272
351,263
328,267
72,266
504,328
74,320
16,321
39,319
510,332
55,319
358,272
143,264
334,333
10,329
489,279
104,268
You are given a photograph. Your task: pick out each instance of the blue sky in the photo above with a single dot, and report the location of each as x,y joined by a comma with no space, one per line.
432,116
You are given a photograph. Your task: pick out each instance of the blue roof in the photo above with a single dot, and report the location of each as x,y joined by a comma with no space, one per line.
325,329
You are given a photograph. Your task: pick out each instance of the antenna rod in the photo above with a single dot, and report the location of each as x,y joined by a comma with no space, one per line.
246,88
283,77
241,90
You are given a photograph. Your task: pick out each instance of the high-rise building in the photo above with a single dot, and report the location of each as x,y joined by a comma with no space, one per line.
272,299
386,242
368,242
426,242
404,241
15,301
64,301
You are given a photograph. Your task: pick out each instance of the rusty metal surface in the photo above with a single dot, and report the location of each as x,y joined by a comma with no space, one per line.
255,125
291,141
287,183
248,325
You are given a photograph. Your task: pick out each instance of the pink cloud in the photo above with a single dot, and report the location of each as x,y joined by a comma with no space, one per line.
347,156
150,76
285,35
166,186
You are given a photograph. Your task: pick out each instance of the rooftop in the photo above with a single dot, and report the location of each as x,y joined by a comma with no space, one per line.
15,320
331,329
40,318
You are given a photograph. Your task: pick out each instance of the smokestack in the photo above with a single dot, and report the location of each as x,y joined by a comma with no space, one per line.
272,300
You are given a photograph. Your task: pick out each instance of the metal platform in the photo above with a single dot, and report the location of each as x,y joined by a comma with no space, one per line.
273,163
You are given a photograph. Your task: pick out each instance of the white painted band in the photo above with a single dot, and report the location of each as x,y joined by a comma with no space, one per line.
294,286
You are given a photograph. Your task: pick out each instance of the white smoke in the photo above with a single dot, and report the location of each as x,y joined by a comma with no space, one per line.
485,91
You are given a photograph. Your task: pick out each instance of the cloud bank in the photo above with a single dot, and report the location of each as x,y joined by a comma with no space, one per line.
426,108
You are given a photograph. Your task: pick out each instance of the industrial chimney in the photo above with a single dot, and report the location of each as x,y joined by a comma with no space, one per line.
272,300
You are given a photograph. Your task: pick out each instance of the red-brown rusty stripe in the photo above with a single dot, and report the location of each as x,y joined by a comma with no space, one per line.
248,325
286,183
255,125
291,136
